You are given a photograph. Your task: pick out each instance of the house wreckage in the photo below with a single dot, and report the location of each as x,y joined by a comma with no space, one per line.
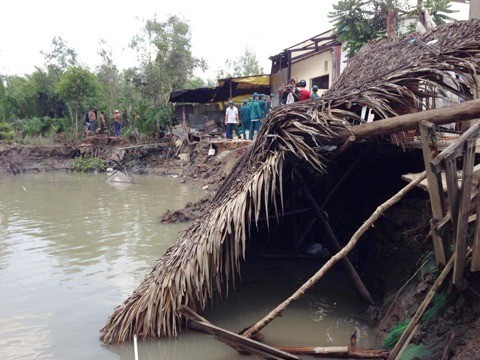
304,155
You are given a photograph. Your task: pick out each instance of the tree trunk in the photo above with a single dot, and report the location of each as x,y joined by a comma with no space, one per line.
465,111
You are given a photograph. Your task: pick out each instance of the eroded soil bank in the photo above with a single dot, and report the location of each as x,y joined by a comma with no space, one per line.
394,259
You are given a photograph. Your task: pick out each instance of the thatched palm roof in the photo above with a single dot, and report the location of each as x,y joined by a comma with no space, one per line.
207,255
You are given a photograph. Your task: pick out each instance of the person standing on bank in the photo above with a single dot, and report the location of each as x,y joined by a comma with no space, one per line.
103,125
92,118
117,123
245,118
231,119
255,116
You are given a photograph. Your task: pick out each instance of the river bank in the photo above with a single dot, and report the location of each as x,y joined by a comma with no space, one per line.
399,238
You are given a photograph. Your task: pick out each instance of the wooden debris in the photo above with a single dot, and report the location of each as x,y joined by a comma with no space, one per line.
238,342
345,352
475,266
435,188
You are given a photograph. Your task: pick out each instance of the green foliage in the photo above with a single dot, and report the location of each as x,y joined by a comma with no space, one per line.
55,97
7,132
245,65
87,164
166,60
438,10
357,22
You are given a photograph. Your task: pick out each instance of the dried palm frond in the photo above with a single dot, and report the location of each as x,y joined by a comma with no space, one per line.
207,255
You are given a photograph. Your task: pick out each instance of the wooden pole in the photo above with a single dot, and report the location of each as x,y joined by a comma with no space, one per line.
462,220
334,259
335,245
435,188
475,266
467,110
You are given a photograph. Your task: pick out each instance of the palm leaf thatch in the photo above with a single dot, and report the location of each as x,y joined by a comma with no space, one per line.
207,255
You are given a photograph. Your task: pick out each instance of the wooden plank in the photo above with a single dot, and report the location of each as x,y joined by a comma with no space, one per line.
421,309
452,187
234,340
439,245
457,147
435,188
476,239
464,206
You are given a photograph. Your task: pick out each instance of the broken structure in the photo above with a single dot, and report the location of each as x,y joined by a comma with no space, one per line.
299,145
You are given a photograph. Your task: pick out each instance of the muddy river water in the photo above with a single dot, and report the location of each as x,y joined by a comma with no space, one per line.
73,247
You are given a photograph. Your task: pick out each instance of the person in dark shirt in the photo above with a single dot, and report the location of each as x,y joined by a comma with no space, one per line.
304,93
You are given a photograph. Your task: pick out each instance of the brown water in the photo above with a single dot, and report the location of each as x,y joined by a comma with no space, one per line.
73,247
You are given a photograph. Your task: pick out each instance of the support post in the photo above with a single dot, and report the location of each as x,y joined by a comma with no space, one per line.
464,206
435,189
476,239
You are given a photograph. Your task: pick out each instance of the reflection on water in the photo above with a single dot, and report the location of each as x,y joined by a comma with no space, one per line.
74,247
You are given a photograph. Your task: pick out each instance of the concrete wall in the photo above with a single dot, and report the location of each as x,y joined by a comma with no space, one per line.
312,67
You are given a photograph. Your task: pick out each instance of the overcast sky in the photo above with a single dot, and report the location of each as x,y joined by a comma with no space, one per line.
219,29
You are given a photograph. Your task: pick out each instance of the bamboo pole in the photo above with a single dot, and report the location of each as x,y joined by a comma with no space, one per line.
334,259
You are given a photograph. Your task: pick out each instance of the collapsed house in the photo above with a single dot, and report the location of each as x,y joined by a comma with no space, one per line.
298,148
202,109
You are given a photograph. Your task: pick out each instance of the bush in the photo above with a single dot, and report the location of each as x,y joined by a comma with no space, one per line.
87,164
7,132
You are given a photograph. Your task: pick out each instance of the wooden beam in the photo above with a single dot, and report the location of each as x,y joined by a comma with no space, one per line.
435,188
464,206
467,110
238,342
452,190
457,147
476,239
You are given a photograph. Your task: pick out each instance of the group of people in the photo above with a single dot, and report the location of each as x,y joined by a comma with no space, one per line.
251,115
294,92
253,112
91,118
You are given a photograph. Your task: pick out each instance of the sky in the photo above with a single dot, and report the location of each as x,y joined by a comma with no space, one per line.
219,30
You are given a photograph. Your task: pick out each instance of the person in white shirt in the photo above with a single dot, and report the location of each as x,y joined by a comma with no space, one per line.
231,119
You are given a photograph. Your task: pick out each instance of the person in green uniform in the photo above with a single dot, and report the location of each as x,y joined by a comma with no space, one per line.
255,116
263,106
245,118
314,95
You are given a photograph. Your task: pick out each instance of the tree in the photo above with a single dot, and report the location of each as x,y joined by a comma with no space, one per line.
76,85
245,65
357,22
109,78
166,62
60,57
